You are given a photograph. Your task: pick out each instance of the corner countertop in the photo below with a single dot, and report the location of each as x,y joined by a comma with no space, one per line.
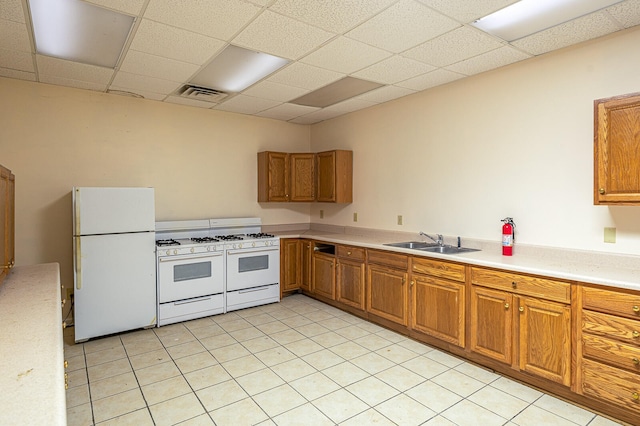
614,270
32,353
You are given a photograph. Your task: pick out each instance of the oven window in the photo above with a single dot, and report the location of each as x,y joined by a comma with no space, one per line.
253,263
191,271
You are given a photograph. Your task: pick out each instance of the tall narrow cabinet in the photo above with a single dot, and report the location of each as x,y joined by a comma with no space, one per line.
7,221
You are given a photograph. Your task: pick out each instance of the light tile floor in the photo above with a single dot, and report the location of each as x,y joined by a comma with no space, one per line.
297,362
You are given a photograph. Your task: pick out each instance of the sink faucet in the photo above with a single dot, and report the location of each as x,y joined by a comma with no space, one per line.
438,241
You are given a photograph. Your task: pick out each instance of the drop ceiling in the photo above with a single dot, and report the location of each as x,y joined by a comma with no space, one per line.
405,45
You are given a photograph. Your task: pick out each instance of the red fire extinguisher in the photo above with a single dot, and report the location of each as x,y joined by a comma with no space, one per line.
508,236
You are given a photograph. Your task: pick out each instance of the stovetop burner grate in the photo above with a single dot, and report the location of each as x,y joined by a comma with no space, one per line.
205,240
170,242
260,235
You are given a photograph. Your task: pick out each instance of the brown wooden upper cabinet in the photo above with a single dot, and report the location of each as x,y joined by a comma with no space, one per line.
305,177
617,150
335,176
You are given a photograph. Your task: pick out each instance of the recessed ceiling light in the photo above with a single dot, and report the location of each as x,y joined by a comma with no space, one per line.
235,69
79,31
528,17
335,92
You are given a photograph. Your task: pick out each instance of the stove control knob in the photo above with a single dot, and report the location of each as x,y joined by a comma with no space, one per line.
253,244
208,248
175,252
235,246
168,252
192,249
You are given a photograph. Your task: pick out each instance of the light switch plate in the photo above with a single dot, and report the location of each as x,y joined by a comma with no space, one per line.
355,217
399,219
609,235
321,214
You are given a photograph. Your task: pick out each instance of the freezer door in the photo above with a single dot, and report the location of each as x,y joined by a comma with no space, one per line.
115,283
113,210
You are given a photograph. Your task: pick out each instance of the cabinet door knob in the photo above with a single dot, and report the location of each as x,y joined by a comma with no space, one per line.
348,253
412,283
66,364
636,308
506,306
635,395
521,308
636,361
514,284
636,334
601,190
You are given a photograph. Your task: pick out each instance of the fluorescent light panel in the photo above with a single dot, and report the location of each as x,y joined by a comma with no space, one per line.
528,17
235,69
335,92
79,31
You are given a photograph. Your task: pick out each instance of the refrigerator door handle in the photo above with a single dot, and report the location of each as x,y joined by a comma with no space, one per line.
78,264
76,203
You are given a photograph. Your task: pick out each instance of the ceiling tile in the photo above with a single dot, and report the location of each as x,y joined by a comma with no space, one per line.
246,104
131,7
281,36
345,55
467,11
16,60
126,91
395,69
136,82
275,91
305,76
19,75
385,94
432,79
403,26
627,12
11,10
336,16
189,102
287,111
175,43
14,36
155,66
215,18
350,105
454,46
572,32
316,116
487,61
78,84
54,67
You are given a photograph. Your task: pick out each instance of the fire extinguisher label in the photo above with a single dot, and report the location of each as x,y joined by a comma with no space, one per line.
507,240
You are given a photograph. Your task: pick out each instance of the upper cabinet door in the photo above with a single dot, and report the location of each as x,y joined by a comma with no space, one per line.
617,150
303,169
273,176
335,176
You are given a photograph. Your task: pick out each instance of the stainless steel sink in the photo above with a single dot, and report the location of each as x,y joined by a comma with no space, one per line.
420,245
448,249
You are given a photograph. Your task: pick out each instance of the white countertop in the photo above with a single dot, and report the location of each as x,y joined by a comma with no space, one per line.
31,347
607,269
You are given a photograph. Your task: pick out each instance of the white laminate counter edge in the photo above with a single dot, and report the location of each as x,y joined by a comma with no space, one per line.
32,351
621,271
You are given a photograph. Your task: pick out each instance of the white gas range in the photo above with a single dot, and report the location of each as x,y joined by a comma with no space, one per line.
211,266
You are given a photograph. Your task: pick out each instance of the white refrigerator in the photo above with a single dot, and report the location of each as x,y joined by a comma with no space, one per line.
114,260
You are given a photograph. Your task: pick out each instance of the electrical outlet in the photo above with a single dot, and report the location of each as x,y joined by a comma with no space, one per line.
399,219
355,217
609,235
321,214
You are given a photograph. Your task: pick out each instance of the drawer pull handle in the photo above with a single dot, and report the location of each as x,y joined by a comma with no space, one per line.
506,306
636,334
636,308
521,308
636,396
349,254
514,284
636,361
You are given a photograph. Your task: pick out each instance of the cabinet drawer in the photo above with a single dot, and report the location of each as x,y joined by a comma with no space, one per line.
610,326
349,252
611,352
397,261
613,302
543,288
611,384
436,268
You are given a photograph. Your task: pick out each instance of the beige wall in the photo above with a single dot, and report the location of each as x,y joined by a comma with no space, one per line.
517,141
202,163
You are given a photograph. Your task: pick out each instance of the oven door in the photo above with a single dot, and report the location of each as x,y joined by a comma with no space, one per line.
254,267
183,277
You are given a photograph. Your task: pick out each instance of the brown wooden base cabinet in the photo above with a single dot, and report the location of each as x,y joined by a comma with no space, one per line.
387,286
350,279
438,299
323,274
531,334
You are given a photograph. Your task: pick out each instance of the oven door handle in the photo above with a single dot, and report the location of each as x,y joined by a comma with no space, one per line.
178,258
185,302
251,250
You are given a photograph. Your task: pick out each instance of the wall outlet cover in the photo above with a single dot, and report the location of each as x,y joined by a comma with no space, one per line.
399,219
609,235
321,214
355,217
